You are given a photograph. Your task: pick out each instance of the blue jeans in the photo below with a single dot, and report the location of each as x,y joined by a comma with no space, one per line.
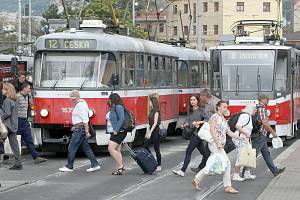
25,131
259,142
79,138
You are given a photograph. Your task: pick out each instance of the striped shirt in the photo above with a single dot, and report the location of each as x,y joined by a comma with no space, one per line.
261,115
22,105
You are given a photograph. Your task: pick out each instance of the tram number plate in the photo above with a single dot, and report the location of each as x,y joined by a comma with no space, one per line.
70,44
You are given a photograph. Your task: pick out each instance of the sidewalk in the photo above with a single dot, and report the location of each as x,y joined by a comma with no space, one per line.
287,185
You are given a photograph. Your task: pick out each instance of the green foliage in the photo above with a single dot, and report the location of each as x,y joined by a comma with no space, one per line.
52,12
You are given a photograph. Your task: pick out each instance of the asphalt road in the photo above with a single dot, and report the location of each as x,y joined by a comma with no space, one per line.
45,182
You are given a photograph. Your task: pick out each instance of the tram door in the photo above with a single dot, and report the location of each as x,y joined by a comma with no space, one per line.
215,73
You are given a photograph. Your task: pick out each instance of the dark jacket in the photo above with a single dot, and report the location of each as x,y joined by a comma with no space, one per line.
9,114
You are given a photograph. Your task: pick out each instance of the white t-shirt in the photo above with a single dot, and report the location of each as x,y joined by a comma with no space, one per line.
109,127
245,121
80,112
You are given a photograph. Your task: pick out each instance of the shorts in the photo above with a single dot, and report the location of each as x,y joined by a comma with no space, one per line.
118,138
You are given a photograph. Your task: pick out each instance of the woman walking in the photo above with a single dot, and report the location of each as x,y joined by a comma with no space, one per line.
218,130
244,129
195,118
9,117
115,121
152,136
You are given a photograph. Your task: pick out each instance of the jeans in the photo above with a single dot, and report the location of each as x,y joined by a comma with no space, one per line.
25,131
195,142
154,139
79,138
259,142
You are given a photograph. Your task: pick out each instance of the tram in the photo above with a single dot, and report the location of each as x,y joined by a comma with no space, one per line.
242,71
86,60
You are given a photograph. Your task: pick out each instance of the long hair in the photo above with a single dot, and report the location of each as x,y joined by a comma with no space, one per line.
155,104
11,92
115,99
191,107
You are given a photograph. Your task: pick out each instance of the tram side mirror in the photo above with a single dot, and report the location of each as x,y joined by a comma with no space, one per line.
14,65
114,79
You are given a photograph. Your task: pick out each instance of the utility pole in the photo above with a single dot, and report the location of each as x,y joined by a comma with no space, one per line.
19,26
29,27
133,12
199,24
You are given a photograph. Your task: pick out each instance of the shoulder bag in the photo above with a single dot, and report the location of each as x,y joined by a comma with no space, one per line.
248,156
3,131
204,132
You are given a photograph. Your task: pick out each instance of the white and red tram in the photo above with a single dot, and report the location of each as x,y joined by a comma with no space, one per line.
85,60
241,72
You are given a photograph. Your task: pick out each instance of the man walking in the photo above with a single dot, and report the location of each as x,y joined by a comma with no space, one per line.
259,140
80,119
23,125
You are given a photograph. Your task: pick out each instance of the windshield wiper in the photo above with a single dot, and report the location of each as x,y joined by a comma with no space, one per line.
237,86
258,81
58,78
81,86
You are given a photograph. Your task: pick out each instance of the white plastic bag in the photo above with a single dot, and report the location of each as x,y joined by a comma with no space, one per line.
216,163
277,143
7,147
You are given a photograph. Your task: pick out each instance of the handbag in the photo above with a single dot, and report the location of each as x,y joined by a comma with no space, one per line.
187,132
204,132
163,131
248,156
3,131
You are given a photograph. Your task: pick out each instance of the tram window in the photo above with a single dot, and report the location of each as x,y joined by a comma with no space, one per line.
37,70
139,72
194,74
174,72
155,73
182,74
147,73
205,75
162,71
128,68
281,71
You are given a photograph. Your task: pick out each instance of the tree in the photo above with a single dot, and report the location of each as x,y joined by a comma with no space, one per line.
52,12
3,22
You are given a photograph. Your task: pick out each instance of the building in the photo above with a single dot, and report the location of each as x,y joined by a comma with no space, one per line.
211,19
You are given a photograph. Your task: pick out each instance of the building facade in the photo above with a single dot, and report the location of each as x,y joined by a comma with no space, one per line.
207,21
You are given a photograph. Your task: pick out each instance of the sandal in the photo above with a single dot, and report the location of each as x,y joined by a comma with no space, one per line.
117,172
196,184
231,190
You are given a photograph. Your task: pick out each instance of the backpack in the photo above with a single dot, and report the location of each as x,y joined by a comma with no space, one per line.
129,122
233,120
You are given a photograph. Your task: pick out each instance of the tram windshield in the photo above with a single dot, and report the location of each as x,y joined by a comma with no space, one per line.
74,69
247,70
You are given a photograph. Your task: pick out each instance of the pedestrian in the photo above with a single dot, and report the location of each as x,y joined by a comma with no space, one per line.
152,136
244,128
80,135
21,80
195,119
218,130
115,121
259,138
9,116
209,102
23,105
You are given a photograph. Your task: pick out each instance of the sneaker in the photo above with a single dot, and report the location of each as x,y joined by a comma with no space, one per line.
65,169
236,177
178,172
158,169
39,160
249,176
195,170
279,171
16,167
92,169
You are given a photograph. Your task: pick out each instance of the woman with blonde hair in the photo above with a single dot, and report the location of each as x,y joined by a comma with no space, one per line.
244,128
9,117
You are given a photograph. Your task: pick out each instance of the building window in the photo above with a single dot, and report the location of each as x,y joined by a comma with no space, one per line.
194,30
194,13
161,28
266,6
204,29
185,8
205,7
175,30
186,30
174,9
216,29
240,6
216,6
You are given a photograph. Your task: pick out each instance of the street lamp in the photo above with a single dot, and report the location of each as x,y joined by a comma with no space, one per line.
134,3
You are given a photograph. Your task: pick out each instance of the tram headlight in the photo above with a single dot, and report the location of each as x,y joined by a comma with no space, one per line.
91,113
44,112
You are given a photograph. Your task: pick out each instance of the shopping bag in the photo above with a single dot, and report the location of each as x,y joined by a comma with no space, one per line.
248,156
204,132
7,147
277,143
216,163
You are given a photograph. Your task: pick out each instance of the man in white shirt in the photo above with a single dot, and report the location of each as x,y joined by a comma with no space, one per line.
80,134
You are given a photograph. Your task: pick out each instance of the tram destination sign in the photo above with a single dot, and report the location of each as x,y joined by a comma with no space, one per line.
70,44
